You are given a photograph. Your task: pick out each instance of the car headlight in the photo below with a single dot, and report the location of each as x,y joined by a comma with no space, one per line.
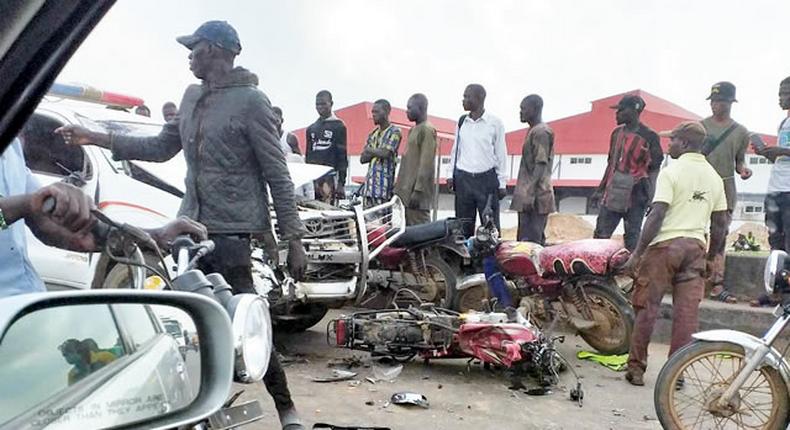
252,336
773,266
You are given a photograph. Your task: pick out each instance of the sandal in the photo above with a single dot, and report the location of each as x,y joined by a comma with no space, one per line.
764,300
724,296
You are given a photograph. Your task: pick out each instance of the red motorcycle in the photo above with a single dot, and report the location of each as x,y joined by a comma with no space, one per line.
411,270
572,282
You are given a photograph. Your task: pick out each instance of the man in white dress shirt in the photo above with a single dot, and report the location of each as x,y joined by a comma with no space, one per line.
478,160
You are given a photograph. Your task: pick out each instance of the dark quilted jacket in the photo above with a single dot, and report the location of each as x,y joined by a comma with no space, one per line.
231,147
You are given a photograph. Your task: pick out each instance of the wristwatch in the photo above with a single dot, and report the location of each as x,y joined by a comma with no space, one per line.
3,224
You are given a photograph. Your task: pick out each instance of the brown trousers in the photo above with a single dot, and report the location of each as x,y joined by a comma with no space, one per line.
676,264
716,275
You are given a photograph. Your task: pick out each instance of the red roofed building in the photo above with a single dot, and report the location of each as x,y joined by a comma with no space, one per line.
581,148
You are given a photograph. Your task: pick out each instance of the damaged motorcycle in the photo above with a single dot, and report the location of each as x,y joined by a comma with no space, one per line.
361,256
572,282
431,333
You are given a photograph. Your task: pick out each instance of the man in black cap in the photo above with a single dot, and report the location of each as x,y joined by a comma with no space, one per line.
725,149
635,157
227,131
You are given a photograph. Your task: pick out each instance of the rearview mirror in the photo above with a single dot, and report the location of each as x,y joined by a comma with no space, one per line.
97,359
774,266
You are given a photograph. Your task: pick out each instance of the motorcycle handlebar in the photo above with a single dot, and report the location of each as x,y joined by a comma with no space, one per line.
100,230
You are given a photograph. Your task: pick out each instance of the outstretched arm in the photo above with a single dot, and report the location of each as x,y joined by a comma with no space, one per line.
156,148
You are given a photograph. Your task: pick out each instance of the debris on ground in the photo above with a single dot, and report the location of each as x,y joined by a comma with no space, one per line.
287,360
354,383
618,412
346,362
319,426
337,375
408,398
384,371
540,391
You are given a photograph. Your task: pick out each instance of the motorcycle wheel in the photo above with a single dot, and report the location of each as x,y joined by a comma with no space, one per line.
301,318
614,317
707,369
471,299
119,277
442,289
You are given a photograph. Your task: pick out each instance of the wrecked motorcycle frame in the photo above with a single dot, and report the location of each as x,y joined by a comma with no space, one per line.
361,256
431,332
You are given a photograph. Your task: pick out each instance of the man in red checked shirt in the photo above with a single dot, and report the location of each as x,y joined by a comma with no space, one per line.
635,156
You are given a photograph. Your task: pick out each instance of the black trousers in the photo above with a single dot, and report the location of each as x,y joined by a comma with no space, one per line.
777,219
632,223
232,259
532,227
471,193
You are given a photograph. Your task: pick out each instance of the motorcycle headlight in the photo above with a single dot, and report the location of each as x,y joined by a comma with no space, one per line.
252,336
773,268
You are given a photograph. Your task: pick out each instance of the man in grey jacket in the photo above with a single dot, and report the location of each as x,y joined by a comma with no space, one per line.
227,132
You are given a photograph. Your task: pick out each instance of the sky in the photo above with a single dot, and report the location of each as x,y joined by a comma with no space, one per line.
569,52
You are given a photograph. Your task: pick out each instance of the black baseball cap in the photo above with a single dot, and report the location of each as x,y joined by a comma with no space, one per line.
722,91
219,33
630,101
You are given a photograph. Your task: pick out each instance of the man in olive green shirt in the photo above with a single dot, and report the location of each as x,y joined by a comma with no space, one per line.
725,150
533,197
416,179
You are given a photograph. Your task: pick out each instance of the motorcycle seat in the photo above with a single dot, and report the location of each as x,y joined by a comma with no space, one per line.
423,233
583,257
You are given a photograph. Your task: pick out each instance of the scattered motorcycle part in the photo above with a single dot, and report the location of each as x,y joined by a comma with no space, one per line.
319,426
382,372
577,394
407,398
337,375
539,391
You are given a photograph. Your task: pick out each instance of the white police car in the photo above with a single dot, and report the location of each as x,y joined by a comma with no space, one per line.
122,190
139,193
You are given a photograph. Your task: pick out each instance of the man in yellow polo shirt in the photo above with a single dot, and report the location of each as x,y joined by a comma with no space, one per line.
671,254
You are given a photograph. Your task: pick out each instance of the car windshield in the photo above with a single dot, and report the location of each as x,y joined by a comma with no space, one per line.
171,171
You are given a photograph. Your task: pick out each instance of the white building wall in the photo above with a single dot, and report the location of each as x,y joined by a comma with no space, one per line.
573,205
581,166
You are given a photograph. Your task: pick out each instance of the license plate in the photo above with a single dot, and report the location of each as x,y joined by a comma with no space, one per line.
236,416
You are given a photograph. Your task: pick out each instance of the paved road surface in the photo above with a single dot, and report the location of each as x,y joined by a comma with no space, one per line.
479,400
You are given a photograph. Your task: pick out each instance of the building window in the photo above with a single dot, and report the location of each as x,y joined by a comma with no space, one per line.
445,160
588,160
581,160
753,209
758,160
574,160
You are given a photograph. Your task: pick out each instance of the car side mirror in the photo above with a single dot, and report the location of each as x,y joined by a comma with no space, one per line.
107,359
